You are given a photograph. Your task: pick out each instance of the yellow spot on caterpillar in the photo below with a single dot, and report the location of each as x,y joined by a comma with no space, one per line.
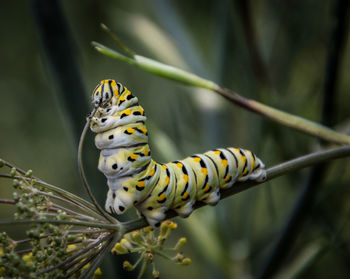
161,197
244,158
227,178
206,188
146,153
186,177
130,130
253,164
179,165
224,162
164,166
143,130
217,152
185,195
237,149
205,171
167,180
197,159
245,171
141,183
133,156
152,172
127,111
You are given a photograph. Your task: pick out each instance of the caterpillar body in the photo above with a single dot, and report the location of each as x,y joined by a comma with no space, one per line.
135,179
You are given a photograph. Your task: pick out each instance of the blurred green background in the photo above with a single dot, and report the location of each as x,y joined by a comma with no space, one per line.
272,51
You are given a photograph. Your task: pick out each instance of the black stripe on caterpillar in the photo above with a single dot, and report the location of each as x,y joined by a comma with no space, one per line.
135,179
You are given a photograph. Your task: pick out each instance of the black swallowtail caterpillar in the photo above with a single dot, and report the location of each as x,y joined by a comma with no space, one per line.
135,179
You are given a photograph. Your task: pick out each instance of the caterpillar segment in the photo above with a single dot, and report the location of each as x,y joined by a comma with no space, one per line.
161,198
136,180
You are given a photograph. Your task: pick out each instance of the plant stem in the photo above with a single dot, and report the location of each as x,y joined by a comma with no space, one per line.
82,172
96,261
143,269
71,258
173,73
114,227
284,118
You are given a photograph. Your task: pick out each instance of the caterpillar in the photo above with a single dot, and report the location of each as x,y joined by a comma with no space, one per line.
136,180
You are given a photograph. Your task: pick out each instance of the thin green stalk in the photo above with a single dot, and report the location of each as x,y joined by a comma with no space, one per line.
72,213
77,201
158,68
26,251
173,73
7,201
116,39
67,216
139,260
143,269
165,256
286,119
71,258
114,227
95,263
88,252
82,172
63,200
67,200
81,265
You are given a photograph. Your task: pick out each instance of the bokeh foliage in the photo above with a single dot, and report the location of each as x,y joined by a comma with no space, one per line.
293,38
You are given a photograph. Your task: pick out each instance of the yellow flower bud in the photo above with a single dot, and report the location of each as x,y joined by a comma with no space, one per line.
186,261
71,247
119,249
180,243
97,273
136,237
155,274
172,225
126,244
127,266
179,257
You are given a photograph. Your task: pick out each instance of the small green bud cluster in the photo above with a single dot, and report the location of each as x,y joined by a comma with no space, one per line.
46,251
147,243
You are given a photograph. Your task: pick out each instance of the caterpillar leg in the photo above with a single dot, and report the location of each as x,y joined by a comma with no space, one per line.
109,202
114,204
154,216
213,198
185,210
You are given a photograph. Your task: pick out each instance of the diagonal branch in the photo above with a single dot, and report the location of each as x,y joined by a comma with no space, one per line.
173,73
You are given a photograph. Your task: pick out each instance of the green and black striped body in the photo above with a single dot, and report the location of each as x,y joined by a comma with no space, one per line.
135,179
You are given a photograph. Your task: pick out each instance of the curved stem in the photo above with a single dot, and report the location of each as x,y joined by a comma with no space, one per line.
82,172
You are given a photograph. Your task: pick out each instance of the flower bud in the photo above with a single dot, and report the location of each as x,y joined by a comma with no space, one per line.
119,249
29,173
127,266
126,244
180,243
155,274
186,261
13,172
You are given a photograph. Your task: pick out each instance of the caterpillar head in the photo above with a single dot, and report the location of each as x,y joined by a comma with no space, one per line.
105,91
